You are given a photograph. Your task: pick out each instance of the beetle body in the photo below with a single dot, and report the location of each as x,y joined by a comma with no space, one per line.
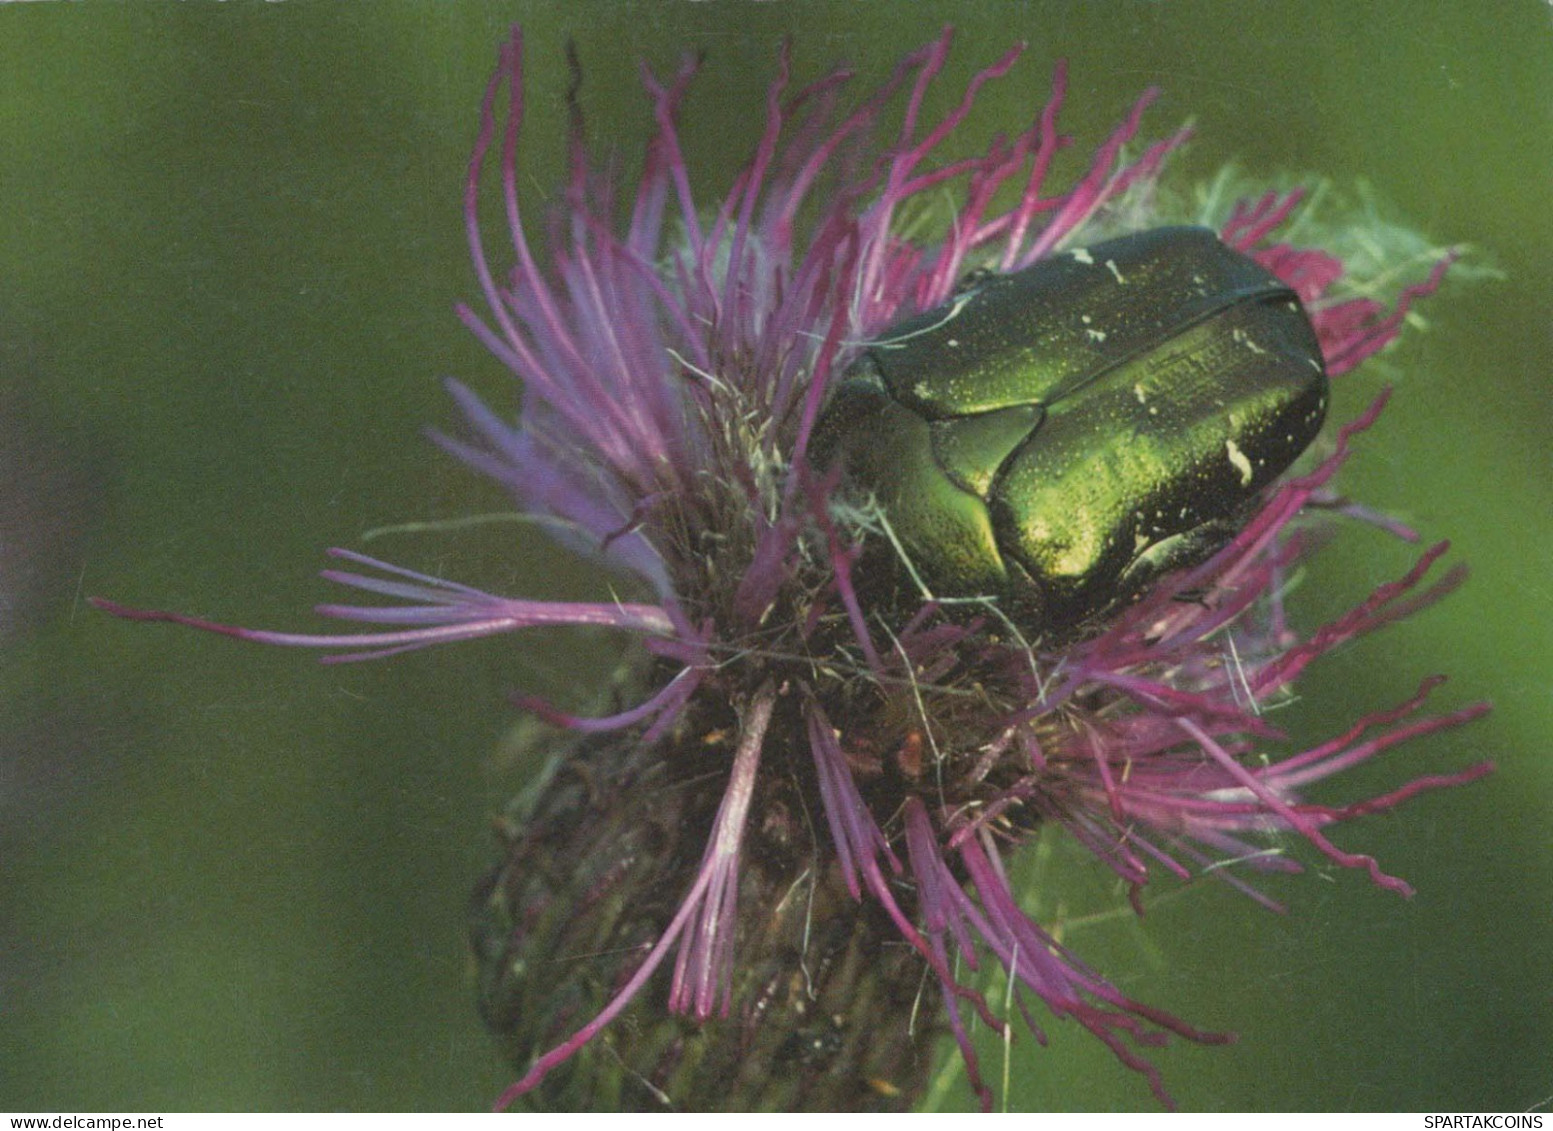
1062,437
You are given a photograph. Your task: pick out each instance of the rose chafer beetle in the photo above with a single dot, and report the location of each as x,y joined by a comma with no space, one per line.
1062,437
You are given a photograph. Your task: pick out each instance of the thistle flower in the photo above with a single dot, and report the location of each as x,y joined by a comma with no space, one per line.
807,770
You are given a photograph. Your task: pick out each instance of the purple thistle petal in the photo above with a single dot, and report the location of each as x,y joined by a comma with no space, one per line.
701,970
452,612
666,702
1360,328
1250,223
859,843
1098,185
1293,818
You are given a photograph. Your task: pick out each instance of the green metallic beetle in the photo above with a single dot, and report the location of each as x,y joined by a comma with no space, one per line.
1062,437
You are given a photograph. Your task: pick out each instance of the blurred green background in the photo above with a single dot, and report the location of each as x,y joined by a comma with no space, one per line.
230,245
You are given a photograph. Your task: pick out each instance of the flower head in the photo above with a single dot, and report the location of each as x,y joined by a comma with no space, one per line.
891,750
